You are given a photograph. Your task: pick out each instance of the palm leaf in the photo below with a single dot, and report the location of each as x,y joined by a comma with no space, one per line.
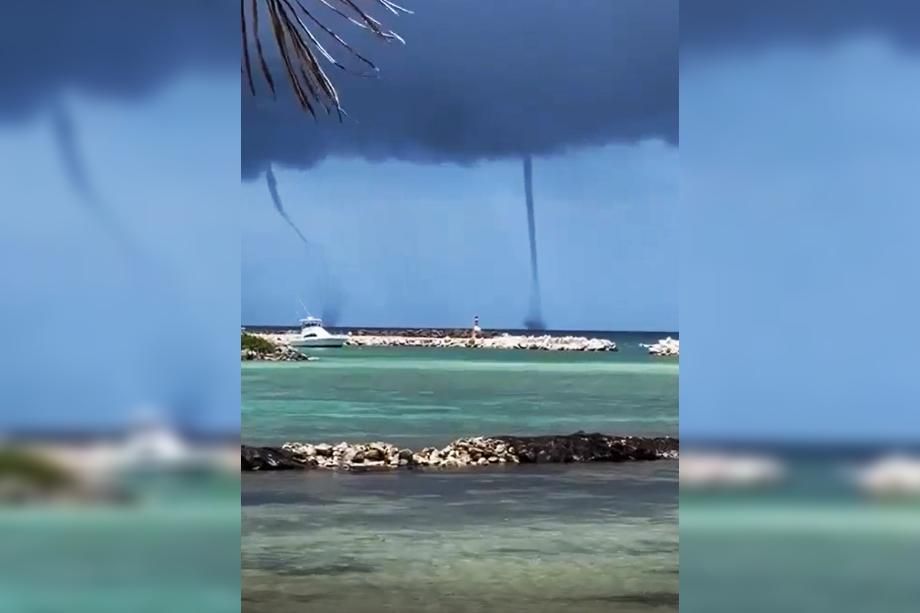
302,54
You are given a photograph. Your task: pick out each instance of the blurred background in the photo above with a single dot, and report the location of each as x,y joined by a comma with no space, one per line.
799,473
119,237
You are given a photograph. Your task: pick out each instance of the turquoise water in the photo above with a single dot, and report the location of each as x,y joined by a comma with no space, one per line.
176,551
431,396
811,543
584,538
785,555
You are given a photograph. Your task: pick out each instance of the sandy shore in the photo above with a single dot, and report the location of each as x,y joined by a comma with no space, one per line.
101,458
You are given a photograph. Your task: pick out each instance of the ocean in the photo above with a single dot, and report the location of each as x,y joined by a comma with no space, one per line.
418,396
813,538
177,550
517,538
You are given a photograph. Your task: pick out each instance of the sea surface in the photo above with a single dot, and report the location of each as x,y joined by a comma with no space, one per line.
810,542
419,396
515,538
175,550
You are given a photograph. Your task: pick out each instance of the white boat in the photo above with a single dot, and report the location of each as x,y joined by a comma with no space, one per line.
313,334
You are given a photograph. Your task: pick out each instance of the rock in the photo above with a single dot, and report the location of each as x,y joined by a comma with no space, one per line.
282,351
591,448
485,341
665,347
374,454
368,467
268,458
480,451
300,450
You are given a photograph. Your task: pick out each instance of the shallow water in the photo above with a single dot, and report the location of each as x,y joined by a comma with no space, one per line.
567,538
580,538
813,539
176,551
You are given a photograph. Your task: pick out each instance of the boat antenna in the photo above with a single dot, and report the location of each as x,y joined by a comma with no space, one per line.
304,307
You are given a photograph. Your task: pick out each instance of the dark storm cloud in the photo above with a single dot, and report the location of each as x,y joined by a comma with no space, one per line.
717,25
110,48
115,48
489,79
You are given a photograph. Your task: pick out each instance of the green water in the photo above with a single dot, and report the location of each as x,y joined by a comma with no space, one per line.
820,556
813,542
584,538
175,552
420,396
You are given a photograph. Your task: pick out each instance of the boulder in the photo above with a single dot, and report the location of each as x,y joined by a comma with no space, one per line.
269,458
595,447
374,454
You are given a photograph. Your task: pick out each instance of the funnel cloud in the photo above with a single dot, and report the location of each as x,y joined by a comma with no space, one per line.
74,164
534,319
331,296
279,206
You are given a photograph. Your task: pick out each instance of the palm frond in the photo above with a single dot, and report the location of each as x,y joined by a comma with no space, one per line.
302,53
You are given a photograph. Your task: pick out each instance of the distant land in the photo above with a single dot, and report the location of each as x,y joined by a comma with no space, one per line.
274,328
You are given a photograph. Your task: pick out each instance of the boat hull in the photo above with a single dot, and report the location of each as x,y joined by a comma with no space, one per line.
313,343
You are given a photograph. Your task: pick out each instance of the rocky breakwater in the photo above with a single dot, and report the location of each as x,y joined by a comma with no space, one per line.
420,332
262,347
464,452
665,347
281,354
502,341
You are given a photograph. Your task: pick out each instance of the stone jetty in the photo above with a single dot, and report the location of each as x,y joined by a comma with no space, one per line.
544,342
461,453
665,347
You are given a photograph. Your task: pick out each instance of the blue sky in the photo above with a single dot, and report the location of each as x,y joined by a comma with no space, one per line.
416,244
90,338
798,240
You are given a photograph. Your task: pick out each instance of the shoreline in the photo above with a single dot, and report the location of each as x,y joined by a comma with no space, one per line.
277,341
501,341
435,338
468,452
441,331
